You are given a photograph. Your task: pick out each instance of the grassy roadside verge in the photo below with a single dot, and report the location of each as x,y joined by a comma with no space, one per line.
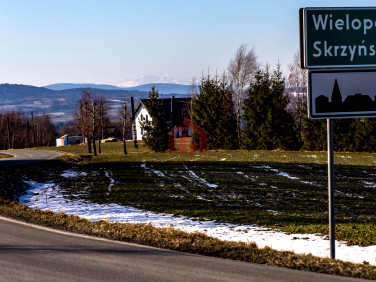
195,243
5,156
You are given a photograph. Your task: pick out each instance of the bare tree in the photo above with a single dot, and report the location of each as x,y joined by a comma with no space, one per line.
93,115
297,82
241,70
9,133
15,130
90,119
44,130
82,118
124,118
32,128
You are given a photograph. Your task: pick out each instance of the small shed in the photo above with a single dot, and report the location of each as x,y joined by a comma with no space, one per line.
68,140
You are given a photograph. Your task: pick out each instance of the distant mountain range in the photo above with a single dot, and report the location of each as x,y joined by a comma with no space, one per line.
59,100
163,88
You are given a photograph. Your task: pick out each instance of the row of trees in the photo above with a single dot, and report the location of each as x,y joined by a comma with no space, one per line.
90,118
265,121
19,130
249,107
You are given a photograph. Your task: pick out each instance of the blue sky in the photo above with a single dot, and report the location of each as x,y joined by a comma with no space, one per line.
124,42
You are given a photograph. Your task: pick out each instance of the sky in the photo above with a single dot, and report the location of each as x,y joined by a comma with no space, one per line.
128,43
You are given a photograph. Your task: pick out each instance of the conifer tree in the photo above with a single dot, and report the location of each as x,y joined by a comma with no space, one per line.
365,135
314,134
256,107
155,130
282,120
343,135
213,110
268,124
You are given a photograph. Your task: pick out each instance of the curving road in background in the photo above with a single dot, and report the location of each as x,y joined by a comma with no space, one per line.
22,157
33,253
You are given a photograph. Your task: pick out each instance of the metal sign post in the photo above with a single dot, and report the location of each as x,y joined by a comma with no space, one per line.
338,46
332,236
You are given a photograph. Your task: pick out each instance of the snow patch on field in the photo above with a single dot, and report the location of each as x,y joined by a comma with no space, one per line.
73,173
157,172
112,181
369,184
196,177
47,196
284,174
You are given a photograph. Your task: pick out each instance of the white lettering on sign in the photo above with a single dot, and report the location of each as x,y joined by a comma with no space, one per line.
326,22
326,50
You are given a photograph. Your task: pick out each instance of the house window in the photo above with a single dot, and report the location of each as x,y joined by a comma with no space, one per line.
147,118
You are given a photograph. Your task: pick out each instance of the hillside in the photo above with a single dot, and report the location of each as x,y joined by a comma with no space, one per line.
65,86
20,91
163,88
60,104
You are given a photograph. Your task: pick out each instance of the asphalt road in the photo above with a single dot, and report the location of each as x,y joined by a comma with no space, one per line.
22,157
34,253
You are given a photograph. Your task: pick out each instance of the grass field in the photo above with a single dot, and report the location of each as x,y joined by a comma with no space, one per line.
281,190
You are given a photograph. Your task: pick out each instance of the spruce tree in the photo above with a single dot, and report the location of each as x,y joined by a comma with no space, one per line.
365,135
343,135
285,136
256,109
268,124
213,110
314,134
155,130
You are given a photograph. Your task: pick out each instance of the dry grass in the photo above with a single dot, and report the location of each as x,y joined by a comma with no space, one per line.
112,152
2,155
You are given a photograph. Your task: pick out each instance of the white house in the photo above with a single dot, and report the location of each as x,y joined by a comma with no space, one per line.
141,113
177,110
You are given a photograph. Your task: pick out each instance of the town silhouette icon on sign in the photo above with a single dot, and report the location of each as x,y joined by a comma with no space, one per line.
357,102
341,93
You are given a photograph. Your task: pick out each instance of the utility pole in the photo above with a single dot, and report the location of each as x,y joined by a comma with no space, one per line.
87,128
134,125
100,134
124,126
94,128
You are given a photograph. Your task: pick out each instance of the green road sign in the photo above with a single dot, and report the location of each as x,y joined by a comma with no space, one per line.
338,37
